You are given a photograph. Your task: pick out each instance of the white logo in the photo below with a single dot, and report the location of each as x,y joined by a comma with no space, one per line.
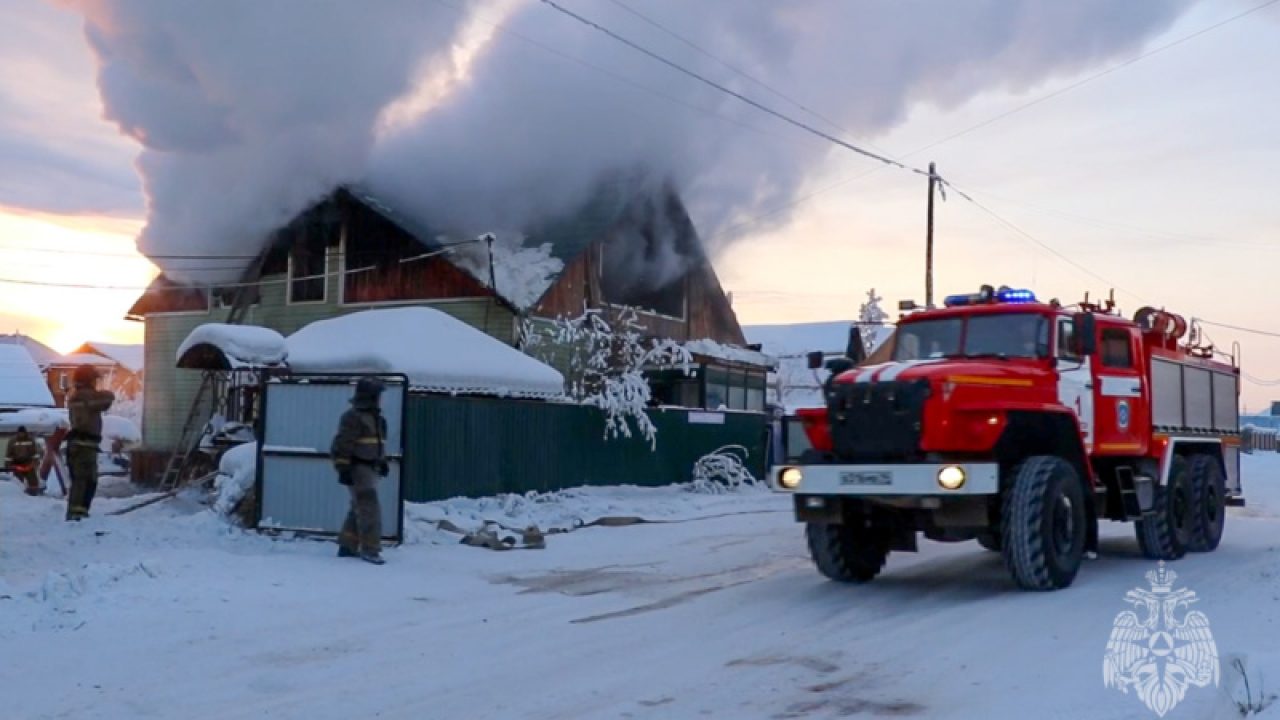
1160,655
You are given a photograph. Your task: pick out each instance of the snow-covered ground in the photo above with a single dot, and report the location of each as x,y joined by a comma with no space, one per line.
715,613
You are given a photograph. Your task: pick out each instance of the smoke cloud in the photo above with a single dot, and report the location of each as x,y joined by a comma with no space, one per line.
249,111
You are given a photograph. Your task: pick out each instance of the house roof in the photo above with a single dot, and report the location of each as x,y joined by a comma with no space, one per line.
130,357
42,354
77,359
565,239
21,384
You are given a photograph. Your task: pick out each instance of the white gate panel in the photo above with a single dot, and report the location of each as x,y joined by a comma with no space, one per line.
298,487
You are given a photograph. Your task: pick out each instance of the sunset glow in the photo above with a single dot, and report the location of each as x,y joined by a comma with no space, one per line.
45,252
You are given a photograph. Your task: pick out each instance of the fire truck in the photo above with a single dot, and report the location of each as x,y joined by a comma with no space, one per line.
1020,424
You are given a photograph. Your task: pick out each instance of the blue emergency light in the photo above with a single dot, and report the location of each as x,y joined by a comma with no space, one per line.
987,295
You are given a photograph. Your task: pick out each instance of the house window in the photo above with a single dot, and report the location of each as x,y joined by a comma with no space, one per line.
1116,351
307,265
717,388
737,390
755,392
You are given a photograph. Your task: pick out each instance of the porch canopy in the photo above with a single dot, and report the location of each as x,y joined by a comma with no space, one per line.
438,353
217,346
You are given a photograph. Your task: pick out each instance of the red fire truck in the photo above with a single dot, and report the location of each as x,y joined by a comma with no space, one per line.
1019,424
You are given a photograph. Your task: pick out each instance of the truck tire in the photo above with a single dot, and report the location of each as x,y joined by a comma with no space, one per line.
1045,522
1165,533
847,554
1209,503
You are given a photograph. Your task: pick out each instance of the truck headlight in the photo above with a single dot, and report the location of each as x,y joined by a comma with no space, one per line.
789,478
951,477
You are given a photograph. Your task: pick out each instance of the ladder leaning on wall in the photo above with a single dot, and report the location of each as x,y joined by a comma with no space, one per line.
174,475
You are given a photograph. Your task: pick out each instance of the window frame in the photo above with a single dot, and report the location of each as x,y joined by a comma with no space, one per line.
1103,356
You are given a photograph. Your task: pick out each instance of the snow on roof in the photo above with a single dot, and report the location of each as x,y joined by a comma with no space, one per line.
132,357
74,359
719,351
38,351
243,346
21,384
436,351
799,386
521,274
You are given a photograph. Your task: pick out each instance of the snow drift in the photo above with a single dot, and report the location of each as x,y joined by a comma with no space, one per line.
436,351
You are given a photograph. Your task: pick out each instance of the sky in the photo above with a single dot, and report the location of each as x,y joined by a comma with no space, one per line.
1156,177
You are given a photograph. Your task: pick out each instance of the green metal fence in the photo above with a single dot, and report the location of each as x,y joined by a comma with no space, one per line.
486,446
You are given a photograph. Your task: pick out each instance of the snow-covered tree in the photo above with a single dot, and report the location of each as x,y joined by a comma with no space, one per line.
870,318
606,364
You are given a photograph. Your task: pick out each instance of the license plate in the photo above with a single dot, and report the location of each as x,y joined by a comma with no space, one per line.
867,477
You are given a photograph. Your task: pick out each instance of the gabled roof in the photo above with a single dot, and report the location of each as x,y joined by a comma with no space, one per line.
42,354
130,357
567,237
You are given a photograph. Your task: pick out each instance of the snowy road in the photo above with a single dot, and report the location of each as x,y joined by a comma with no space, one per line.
169,614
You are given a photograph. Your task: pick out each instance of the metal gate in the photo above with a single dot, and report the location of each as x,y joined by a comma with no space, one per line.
297,485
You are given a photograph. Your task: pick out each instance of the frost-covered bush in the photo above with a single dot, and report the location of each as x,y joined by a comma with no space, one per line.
722,471
606,364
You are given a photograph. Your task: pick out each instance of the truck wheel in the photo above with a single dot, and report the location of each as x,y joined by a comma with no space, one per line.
1165,533
990,541
1209,503
1045,523
845,553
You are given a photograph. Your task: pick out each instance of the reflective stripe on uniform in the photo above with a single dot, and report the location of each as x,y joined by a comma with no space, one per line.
369,440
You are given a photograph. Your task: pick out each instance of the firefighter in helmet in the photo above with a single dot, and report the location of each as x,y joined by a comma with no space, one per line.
21,459
85,406
359,455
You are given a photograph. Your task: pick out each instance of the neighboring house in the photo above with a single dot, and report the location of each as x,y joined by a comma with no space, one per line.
794,385
21,384
42,354
59,373
130,364
352,251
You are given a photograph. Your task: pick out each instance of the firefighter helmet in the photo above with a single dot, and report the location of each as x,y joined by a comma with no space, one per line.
85,375
368,389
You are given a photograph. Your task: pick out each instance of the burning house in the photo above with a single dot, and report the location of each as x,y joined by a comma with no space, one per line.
353,251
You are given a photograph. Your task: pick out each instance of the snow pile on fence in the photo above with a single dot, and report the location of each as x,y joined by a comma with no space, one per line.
21,383
236,475
438,353
244,346
521,274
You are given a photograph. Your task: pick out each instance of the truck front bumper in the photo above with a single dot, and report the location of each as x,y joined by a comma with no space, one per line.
913,480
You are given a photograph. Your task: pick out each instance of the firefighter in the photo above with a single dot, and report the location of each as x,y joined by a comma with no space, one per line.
85,406
359,455
21,460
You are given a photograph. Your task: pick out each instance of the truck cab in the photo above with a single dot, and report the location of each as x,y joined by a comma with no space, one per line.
1019,424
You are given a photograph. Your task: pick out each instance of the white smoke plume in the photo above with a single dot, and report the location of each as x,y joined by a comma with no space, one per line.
251,110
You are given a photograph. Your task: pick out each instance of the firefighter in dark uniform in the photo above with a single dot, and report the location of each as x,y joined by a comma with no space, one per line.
21,459
359,455
85,406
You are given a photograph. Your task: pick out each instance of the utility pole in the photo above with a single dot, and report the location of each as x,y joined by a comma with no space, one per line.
928,252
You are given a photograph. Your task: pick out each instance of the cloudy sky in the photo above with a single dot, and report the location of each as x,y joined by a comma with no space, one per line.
185,128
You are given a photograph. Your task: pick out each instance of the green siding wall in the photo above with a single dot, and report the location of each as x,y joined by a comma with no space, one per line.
169,391
462,446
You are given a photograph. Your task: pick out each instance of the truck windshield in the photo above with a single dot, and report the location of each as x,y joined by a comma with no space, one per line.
1022,335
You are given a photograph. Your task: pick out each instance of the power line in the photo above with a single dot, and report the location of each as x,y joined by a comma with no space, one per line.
1009,224
1001,116
1238,328
733,93
507,29
1095,76
734,69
